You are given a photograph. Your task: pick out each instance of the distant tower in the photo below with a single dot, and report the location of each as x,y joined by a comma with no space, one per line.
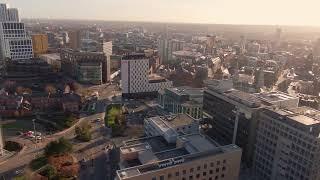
316,48
3,13
13,15
259,78
75,39
210,44
242,44
277,37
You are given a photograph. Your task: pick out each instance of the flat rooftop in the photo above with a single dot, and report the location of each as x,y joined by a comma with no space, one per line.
52,56
192,147
185,90
274,96
172,120
157,143
303,115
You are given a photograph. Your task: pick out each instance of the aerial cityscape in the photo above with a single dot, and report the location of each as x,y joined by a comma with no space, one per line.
137,99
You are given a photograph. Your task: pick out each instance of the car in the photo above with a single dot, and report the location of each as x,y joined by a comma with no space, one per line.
19,171
38,138
19,133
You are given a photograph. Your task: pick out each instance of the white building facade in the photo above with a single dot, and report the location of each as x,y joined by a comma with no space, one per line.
135,77
15,44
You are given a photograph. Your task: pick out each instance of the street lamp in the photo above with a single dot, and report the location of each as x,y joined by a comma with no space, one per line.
34,130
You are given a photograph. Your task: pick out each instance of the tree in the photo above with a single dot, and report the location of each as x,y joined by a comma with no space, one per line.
50,172
10,86
83,133
50,89
59,147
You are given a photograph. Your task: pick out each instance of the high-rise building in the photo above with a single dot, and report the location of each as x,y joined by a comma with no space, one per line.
3,13
233,115
14,42
107,50
87,67
13,15
167,47
39,44
136,81
184,99
287,144
75,39
210,44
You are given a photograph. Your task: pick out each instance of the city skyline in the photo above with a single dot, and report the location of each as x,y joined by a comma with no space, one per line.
253,12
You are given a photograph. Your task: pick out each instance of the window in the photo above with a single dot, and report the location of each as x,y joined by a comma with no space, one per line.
177,173
205,166
154,178
222,175
190,177
223,168
198,175
161,177
224,161
218,162
184,172
216,177
217,170
198,168
211,164
210,172
204,173
191,170
169,175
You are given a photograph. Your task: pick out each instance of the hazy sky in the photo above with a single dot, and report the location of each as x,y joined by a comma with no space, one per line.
274,12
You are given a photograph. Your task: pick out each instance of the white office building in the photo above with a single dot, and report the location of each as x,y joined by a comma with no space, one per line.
15,44
136,80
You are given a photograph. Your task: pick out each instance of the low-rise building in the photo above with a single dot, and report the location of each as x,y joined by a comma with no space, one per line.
170,127
182,100
89,72
192,156
80,64
71,103
53,59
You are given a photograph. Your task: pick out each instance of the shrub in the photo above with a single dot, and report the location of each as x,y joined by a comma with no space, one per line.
62,146
38,162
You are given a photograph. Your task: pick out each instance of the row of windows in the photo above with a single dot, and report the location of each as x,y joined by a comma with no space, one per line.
8,25
197,176
275,125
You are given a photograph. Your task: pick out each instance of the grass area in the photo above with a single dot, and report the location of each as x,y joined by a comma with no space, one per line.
38,163
21,177
13,125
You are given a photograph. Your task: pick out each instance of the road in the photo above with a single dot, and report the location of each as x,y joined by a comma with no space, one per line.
31,150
